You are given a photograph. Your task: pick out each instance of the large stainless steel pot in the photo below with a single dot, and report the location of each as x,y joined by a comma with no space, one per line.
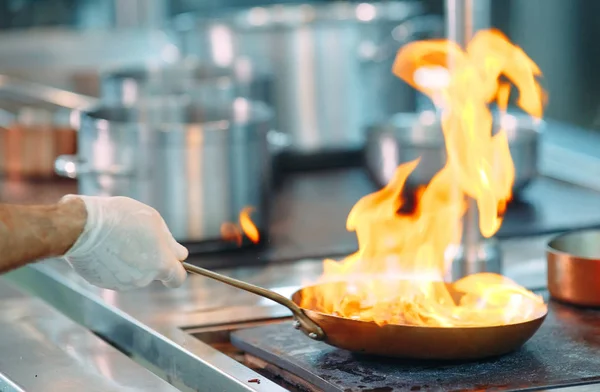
331,63
127,86
408,136
198,164
130,85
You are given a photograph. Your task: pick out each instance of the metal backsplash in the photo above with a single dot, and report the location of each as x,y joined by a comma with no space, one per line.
561,37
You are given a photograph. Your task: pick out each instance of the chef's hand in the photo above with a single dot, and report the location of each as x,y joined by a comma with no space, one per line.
125,245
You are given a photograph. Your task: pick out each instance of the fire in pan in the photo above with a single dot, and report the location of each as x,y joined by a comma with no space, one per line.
393,340
390,297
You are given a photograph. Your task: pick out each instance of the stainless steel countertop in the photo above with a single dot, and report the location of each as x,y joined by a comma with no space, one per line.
151,323
43,350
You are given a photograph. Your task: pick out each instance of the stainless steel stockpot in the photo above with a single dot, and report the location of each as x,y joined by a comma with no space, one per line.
408,136
331,63
127,86
197,163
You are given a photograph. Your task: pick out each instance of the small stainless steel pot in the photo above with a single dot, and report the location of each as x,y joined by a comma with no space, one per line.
574,267
331,63
198,164
408,136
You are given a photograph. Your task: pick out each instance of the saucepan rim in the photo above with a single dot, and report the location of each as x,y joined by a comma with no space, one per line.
402,126
247,113
552,248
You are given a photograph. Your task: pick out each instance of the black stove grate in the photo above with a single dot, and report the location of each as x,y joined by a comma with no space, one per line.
565,351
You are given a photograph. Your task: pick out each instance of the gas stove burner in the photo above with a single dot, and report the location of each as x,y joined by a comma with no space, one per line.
220,246
563,352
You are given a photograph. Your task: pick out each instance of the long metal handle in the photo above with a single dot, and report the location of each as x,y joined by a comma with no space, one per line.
55,96
306,324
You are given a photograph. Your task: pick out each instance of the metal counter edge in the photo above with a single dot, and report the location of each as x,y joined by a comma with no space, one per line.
181,356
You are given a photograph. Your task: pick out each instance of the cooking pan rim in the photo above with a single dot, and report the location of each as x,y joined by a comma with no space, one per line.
431,328
402,125
259,114
551,249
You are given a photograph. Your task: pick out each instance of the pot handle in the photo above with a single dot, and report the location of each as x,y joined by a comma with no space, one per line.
71,166
303,322
68,166
409,30
278,141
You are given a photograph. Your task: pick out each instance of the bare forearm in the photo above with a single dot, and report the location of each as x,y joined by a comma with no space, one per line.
30,233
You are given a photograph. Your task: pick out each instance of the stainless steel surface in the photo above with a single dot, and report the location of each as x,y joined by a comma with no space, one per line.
126,86
408,136
577,388
56,56
488,259
556,35
44,350
160,338
330,63
71,59
565,148
157,333
83,14
197,163
574,267
463,19
466,17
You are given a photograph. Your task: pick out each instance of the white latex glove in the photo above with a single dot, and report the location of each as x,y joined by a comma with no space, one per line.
125,245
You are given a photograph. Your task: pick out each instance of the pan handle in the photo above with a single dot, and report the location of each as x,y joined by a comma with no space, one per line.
308,326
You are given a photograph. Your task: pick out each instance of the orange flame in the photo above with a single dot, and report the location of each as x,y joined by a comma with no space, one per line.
234,233
248,227
414,247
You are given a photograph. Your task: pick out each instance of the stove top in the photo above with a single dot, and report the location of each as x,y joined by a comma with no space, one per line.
564,352
309,216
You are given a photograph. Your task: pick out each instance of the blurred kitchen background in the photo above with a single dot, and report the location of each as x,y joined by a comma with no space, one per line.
559,35
253,127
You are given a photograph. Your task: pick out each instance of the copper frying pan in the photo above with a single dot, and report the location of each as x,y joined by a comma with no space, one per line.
403,341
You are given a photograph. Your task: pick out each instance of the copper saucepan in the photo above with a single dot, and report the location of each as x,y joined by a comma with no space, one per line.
574,267
403,341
